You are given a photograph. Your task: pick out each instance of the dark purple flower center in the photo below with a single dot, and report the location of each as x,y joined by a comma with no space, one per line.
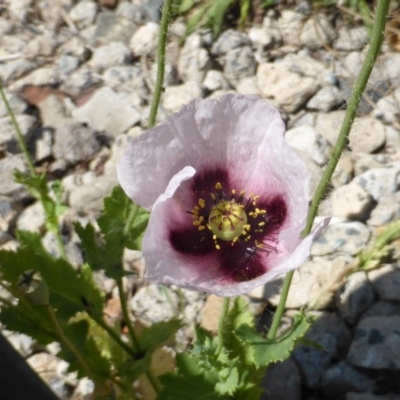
235,226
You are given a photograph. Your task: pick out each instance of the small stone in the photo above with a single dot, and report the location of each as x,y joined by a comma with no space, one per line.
364,162
351,202
83,13
90,196
332,334
41,46
67,64
387,109
229,40
266,36
342,378
344,171
21,342
368,134
282,381
32,218
8,213
194,60
8,134
111,55
376,344
214,80
111,27
17,104
307,140
211,313
380,181
8,186
127,78
176,96
392,140
351,39
307,282
325,99
107,111
290,90
248,86
386,282
387,210
84,390
39,77
344,237
144,40
290,25
239,63
317,32
354,297
80,80
42,143
76,143
13,70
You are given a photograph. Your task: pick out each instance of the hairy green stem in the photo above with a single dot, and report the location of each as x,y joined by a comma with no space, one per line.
72,348
129,350
20,137
125,313
361,82
221,324
162,41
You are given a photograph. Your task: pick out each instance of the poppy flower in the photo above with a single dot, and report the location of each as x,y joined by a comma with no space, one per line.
228,197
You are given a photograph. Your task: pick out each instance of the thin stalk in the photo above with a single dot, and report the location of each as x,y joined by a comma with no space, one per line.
129,350
125,313
72,348
359,87
162,41
221,324
20,137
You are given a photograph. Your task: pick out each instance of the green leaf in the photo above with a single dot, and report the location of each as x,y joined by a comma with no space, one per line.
71,291
191,381
230,383
185,5
158,333
265,351
196,20
122,224
131,369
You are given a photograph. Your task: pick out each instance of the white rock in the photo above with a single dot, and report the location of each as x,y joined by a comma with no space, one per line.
84,13
307,140
343,237
107,111
364,162
351,202
387,109
248,86
111,55
387,210
290,90
351,38
392,140
317,32
17,104
229,40
325,99
15,69
380,181
367,135
32,218
344,171
239,63
127,78
90,196
144,40
214,80
7,130
194,60
40,77
290,24
8,185
265,36
176,96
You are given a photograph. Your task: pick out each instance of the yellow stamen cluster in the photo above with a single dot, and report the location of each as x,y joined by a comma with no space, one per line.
227,219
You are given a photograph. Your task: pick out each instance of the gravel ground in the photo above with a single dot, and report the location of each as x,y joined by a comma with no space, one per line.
79,76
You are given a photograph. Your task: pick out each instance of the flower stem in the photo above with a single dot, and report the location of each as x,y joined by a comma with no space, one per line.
71,347
132,333
20,138
162,41
378,29
221,325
